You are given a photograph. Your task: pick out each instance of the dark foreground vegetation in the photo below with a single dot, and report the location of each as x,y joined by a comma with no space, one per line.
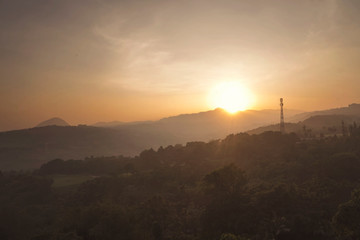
267,186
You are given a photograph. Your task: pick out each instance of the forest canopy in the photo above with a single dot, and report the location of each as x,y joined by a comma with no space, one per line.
266,186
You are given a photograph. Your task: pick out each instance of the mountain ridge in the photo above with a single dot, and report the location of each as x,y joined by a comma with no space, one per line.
55,121
29,148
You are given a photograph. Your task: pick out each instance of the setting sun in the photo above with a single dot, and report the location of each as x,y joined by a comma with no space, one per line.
231,96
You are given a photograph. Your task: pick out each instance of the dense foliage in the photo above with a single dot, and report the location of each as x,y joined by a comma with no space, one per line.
267,186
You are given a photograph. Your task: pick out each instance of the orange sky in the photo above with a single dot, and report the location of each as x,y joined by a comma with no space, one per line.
105,60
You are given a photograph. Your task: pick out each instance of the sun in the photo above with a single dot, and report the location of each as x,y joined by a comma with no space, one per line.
231,96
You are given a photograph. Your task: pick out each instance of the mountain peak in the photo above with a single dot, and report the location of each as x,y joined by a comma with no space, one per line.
53,122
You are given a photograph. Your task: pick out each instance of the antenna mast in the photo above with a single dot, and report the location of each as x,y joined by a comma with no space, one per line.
282,123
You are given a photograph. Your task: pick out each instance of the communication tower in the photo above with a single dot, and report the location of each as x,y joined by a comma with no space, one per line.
282,123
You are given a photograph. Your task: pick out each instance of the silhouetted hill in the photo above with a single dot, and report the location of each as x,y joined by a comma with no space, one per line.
108,124
117,123
29,148
204,126
53,122
325,122
315,126
352,110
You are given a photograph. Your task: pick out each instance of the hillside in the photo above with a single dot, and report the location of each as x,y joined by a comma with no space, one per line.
204,126
53,122
29,148
266,186
118,123
351,110
324,125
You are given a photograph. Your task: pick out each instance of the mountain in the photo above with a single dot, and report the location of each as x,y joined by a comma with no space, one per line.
204,126
53,122
29,148
351,110
316,123
315,126
117,123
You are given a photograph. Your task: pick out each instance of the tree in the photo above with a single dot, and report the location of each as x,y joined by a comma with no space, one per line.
227,180
347,218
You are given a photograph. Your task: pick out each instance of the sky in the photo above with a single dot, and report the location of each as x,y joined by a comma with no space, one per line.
103,60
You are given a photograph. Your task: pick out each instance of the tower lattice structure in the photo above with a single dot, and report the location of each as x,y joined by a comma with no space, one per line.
282,123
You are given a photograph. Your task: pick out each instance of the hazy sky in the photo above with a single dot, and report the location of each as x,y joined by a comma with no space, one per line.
103,60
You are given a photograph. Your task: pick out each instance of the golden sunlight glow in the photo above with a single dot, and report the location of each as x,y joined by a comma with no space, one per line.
231,96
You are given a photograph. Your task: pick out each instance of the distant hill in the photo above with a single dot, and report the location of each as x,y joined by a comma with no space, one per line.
351,110
325,122
315,125
204,126
117,123
53,122
29,148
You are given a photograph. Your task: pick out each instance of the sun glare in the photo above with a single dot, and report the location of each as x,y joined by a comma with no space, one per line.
231,96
